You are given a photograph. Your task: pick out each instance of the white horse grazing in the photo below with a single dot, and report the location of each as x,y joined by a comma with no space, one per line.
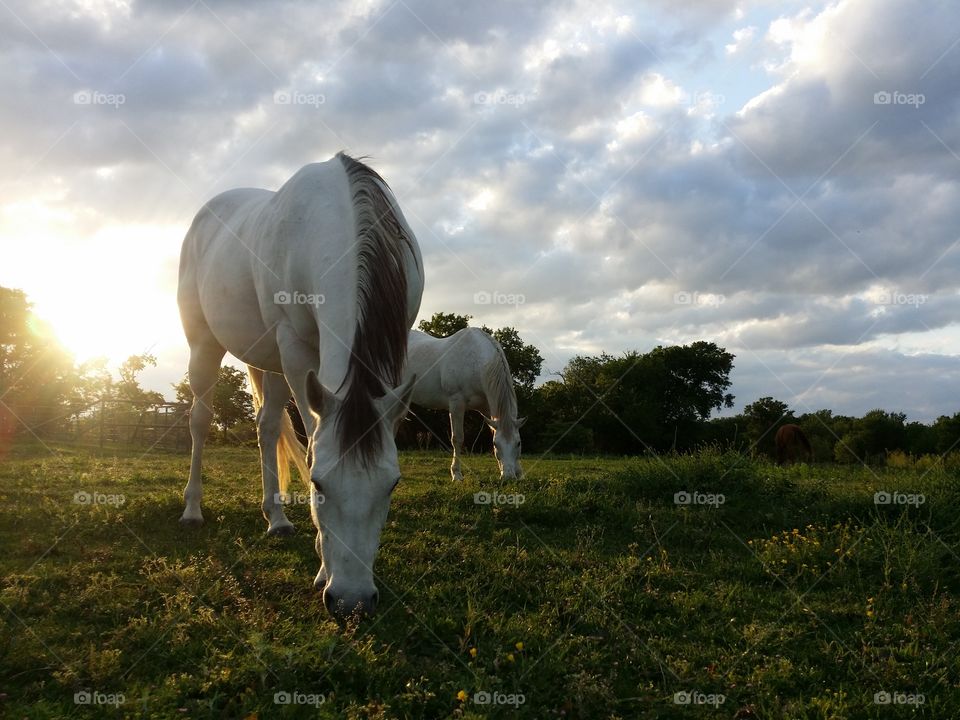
467,371
314,286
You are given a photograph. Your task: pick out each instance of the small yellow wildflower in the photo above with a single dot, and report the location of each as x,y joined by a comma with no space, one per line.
510,657
473,652
462,696
869,613
519,645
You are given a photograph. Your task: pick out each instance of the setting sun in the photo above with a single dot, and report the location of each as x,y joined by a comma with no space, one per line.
110,295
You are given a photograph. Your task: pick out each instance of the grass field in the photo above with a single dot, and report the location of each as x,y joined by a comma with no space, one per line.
598,596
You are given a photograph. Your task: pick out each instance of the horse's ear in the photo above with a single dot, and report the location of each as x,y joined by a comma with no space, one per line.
320,399
398,401
520,422
489,421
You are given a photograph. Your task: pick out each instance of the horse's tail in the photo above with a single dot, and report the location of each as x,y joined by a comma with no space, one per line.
289,448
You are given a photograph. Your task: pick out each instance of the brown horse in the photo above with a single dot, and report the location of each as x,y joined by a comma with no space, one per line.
792,444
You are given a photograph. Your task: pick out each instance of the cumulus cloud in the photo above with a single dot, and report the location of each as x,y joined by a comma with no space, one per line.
758,174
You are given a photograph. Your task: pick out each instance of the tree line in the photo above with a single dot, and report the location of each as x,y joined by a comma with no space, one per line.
660,401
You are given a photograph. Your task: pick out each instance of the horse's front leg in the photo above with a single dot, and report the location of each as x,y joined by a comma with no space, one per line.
457,409
269,418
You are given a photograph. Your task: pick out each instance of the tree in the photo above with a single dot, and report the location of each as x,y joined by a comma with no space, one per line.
882,431
946,431
444,324
819,427
762,418
35,371
525,360
232,404
128,387
639,402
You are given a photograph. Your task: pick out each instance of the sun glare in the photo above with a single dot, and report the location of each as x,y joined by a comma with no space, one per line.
111,296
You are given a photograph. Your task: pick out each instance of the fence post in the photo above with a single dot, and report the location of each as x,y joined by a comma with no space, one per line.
101,421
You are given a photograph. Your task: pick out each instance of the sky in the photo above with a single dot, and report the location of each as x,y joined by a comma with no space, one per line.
780,178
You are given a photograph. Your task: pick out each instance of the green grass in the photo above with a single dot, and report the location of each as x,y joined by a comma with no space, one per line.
798,597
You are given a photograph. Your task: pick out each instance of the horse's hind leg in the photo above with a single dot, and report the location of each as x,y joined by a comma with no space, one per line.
204,365
457,408
269,416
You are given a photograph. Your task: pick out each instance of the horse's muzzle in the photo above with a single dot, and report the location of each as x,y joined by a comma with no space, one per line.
342,607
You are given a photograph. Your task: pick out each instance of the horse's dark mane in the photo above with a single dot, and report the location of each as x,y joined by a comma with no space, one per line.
380,338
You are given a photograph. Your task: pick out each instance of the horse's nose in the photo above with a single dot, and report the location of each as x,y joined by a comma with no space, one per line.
510,473
342,606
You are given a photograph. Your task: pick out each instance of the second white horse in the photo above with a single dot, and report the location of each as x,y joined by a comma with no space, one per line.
467,371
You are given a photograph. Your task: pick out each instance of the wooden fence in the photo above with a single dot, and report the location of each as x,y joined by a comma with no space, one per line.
106,423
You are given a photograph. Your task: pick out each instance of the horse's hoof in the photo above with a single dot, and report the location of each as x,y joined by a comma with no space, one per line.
457,477
191,523
282,531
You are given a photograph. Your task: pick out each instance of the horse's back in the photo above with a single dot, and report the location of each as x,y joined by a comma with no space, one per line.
248,244
449,367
